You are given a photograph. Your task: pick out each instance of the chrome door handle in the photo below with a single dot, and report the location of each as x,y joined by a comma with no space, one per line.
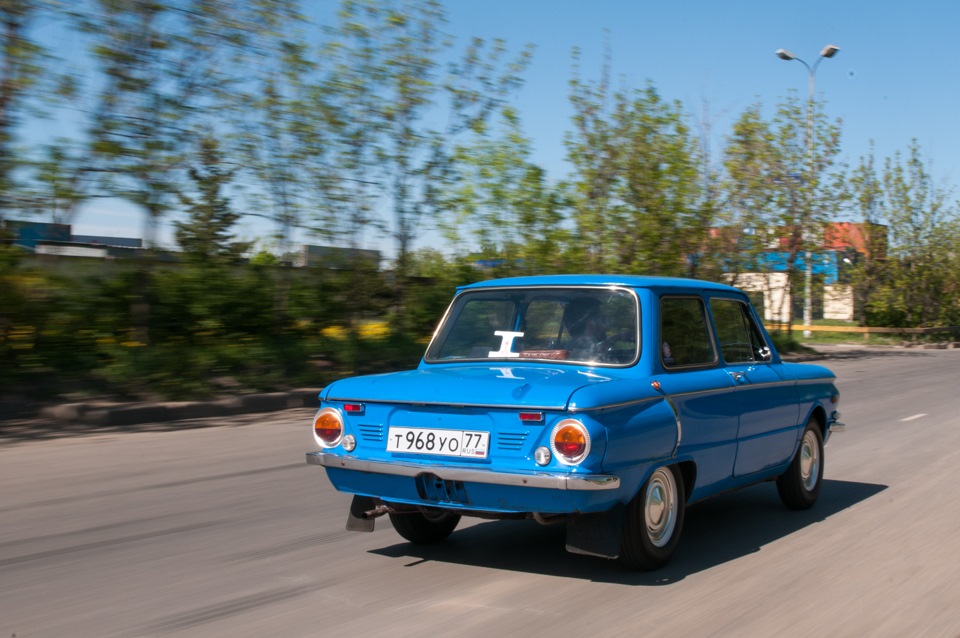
738,376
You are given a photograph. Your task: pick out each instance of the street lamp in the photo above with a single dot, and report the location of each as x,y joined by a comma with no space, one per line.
828,52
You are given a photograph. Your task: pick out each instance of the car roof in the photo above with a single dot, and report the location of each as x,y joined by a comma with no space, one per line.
628,281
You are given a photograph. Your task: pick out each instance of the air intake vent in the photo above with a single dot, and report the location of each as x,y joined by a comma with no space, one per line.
371,432
511,440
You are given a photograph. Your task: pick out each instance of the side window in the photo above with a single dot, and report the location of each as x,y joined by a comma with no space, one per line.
684,333
740,338
761,350
730,321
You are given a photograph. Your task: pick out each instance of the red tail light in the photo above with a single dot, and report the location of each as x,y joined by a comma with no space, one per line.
570,441
328,427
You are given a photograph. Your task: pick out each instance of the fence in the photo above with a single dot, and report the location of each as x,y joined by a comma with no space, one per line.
866,331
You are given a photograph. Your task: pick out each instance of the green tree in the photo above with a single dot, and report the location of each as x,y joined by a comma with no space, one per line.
637,187
781,189
706,260
502,203
748,219
207,235
658,187
922,221
593,148
811,190
166,66
23,69
281,133
60,181
393,50
869,268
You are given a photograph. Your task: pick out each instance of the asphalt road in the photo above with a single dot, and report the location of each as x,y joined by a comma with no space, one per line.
221,529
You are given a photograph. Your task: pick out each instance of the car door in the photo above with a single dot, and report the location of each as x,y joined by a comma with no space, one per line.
766,393
701,392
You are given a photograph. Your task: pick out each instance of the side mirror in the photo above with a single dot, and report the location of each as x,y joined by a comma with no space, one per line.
764,354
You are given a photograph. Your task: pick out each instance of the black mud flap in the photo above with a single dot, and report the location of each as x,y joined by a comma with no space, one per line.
355,520
596,534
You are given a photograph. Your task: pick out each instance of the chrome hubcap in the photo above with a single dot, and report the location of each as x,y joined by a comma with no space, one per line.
809,461
660,507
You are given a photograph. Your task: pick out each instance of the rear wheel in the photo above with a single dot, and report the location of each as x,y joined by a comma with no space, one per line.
653,521
799,486
426,526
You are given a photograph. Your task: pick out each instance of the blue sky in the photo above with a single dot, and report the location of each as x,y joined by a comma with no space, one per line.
893,80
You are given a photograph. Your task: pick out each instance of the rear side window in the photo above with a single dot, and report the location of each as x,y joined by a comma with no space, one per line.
685,333
740,338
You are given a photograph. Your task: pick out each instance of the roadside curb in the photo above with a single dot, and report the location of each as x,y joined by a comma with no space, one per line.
109,413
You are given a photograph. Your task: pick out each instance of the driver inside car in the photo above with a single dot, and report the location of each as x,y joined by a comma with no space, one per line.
585,322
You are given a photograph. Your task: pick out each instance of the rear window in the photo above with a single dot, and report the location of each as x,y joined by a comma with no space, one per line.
576,325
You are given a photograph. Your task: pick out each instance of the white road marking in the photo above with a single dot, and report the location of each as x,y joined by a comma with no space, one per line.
911,418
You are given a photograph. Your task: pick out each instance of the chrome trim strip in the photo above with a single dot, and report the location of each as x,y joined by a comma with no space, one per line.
527,408
744,382
817,380
680,395
574,408
748,385
585,482
610,406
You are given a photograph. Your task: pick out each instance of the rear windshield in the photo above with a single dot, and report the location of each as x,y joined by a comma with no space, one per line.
575,325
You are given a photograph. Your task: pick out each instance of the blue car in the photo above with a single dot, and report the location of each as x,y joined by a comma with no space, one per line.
608,403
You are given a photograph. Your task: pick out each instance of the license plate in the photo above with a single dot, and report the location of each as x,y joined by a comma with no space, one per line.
442,442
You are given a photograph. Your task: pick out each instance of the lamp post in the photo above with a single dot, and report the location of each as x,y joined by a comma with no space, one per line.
828,52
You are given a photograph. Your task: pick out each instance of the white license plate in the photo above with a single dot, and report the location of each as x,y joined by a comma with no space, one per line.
442,442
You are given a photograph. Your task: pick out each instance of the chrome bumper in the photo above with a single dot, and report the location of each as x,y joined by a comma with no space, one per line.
835,425
587,482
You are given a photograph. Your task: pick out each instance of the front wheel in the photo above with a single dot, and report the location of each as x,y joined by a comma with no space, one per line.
799,486
426,527
653,520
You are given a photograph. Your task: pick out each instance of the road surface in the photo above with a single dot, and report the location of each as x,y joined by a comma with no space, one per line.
222,529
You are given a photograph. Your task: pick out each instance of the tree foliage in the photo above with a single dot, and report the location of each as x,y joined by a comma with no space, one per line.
922,239
638,166
376,127
781,188
166,68
502,203
207,236
390,82
24,69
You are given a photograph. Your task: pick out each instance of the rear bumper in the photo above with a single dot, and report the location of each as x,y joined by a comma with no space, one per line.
571,482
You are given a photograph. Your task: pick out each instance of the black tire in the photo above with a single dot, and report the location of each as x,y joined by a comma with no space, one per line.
799,486
653,521
426,527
